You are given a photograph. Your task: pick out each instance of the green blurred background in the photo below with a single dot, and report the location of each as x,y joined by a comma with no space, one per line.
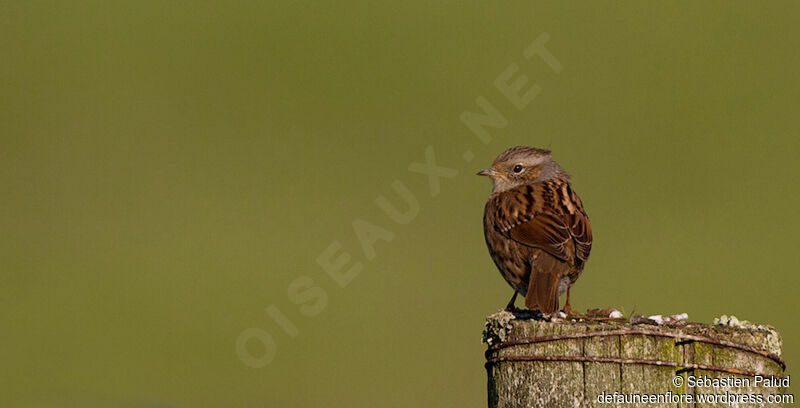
168,170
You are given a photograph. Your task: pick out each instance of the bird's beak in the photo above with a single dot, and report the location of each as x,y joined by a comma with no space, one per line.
487,172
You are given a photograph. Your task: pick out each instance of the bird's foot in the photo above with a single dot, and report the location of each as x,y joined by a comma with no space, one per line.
527,314
571,314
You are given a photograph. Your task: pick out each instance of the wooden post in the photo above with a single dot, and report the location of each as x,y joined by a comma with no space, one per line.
566,363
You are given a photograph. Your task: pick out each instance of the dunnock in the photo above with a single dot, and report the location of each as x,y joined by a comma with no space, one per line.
535,226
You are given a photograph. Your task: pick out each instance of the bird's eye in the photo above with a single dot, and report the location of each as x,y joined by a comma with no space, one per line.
517,168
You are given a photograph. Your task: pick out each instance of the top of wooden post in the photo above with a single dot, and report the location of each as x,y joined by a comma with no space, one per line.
505,326
577,362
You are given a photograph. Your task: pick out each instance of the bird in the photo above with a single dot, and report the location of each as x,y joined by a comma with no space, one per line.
537,231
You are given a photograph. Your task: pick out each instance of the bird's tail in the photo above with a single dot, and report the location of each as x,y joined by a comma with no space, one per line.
543,285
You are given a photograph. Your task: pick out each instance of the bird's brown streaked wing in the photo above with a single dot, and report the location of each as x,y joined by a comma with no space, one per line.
566,236
581,231
526,215
544,231
580,228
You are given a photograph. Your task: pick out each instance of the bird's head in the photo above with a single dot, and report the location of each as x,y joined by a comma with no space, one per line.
522,165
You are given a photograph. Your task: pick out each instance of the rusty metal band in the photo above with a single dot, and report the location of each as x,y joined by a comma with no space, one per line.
677,336
585,359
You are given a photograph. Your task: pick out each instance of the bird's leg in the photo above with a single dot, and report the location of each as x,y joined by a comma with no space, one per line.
568,309
510,306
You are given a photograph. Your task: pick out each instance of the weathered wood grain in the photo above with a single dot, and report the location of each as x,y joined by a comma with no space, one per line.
579,383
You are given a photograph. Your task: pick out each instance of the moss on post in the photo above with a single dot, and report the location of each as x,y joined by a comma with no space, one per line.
565,363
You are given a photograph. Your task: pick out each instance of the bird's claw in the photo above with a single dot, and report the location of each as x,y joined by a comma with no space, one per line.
571,314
